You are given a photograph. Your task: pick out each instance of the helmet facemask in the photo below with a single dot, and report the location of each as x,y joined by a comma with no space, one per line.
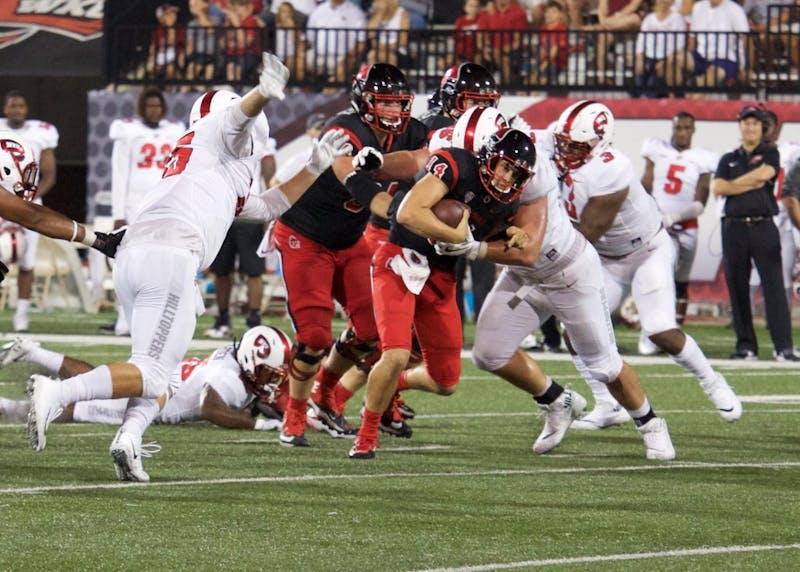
480,99
571,154
510,190
387,120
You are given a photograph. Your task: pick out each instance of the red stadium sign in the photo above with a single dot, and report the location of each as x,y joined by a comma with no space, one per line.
80,20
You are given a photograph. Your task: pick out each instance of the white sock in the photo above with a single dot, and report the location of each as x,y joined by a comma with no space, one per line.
48,359
94,384
692,359
642,411
140,414
599,389
23,304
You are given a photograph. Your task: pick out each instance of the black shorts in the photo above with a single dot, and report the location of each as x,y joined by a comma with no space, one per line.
243,239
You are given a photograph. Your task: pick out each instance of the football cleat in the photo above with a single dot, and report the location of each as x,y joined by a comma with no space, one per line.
724,399
219,332
392,422
316,422
127,455
15,350
530,343
406,411
293,440
656,438
45,407
363,448
558,416
747,355
21,322
603,415
791,354
647,347
335,422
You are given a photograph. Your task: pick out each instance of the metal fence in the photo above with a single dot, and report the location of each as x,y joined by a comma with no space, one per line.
643,64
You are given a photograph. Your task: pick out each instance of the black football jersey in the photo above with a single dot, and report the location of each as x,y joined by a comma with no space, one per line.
327,213
458,169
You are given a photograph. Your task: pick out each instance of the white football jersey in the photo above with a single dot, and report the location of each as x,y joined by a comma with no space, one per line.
138,160
638,219
676,173
206,182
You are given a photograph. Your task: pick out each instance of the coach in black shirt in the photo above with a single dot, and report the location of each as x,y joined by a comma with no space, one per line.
746,178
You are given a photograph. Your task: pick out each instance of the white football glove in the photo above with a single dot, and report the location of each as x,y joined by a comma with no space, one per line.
368,159
468,248
518,123
332,144
273,77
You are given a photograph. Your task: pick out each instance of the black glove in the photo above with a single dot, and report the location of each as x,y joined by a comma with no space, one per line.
109,243
3,271
368,159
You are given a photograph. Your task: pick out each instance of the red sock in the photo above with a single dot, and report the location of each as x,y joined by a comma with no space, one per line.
295,417
326,380
369,424
340,397
402,382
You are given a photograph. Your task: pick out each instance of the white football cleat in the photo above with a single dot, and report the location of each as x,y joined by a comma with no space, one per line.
21,322
558,416
219,332
647,347
724,399
530,343
15,350
603,415
127,454
45,407
656,438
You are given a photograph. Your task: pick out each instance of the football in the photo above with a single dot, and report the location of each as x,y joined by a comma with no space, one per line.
449,211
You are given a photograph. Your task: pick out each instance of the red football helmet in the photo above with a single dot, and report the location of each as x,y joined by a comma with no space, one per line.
584,130
19,171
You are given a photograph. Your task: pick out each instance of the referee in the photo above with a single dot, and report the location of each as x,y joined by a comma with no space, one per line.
746,178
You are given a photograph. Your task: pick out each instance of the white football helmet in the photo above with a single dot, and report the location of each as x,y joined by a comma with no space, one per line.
19,171
12,246
209,102
584,130
475,126
263,355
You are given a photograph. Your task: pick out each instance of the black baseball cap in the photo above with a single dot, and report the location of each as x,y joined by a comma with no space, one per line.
750,111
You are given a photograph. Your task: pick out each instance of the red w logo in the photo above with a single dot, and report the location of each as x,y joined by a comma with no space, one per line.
81,20
600,122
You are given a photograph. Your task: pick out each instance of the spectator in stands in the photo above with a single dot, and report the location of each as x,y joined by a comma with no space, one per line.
418,11
167,52
290,42
500,48
464,35
302,10
336,31
715,54
201,42
662,33
388,34
242,45
614,16
553,48
577,12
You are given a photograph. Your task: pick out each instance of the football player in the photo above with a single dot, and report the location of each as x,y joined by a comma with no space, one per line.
18,175
228,388
412,284
678,176
556,273
609,206
142,146
325,255
43,139
177,231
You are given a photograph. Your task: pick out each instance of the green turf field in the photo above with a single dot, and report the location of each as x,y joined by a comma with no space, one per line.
465,492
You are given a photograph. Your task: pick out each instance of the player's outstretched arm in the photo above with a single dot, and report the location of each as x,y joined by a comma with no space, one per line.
271,83
214,409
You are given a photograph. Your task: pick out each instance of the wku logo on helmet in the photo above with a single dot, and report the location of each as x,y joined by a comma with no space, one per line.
262,347
81,20
600,123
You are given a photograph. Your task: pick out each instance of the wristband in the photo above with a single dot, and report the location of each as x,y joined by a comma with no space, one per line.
74,231
483,250
89,237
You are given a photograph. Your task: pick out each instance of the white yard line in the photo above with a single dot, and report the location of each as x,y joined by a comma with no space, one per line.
792,465
618,557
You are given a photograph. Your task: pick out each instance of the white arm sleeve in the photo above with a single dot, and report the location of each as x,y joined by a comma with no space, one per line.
236,131
267,206
120,173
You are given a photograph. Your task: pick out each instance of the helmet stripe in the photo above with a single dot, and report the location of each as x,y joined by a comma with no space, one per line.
469,132
205,104
574,114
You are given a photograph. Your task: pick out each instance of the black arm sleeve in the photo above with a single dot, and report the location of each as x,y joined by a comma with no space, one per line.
362,188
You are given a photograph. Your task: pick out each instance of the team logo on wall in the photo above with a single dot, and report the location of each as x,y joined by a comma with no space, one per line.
81,20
